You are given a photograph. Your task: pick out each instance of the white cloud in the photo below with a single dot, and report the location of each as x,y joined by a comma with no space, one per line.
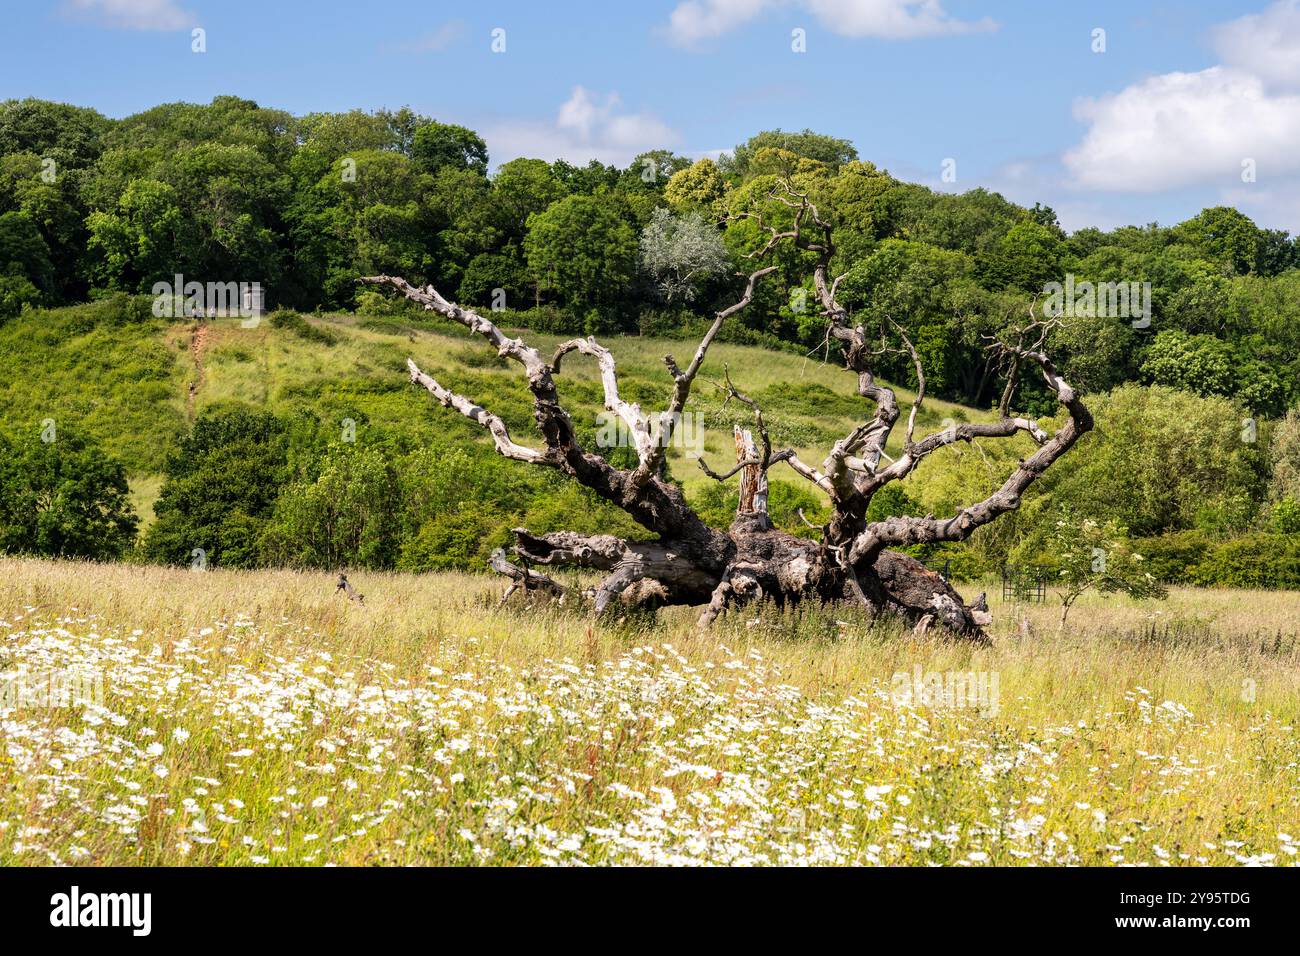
694,20
586,126
443,38
697,20
1179,129
1266,44
1182,128
892,19
133,14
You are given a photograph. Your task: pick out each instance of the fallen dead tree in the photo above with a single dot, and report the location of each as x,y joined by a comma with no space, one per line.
687,562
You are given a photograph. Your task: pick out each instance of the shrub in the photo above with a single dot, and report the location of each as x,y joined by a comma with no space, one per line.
1174,558
345,517
717,506
1089,555
546,319
456,540
891,501
16,291
221,486
1286,516
960,561
374,302
1161,461
1256,560
288,320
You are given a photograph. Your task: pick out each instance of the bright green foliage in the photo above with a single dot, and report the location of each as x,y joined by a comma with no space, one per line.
16,291
62,497
222,484
1252,561
24,253
1027,257
697,188
891,501
1284,458
101,368
1160,460
69,134
1225,236
1196,363
1285,516
588,180
1089,555
369,217
137,244
441,145
344,516
826,150
651,171
583,250
1206,365
718,502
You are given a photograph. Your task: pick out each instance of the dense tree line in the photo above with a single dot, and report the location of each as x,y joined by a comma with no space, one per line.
95,208
232,191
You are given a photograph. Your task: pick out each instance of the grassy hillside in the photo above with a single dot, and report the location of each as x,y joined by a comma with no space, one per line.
128,383
260,718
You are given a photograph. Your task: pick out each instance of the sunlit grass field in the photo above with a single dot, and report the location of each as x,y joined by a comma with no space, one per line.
810,403
260,718
134,387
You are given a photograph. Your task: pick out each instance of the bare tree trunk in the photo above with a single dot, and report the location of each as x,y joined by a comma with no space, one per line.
1065,611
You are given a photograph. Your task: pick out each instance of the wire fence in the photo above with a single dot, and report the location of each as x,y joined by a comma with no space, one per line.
1024,582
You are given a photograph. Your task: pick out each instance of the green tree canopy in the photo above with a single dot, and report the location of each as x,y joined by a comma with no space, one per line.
220,489
820,148
584,250
439,145
62,497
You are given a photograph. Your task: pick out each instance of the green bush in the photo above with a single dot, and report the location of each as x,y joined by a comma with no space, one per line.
221,486
291,321
344,517
717,506
1286,516
16,291
373,302
963,563
891,501
546,319
455,540
62,497
1174,558
1256,560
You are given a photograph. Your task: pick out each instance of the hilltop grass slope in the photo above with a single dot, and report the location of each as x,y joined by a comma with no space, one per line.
135,385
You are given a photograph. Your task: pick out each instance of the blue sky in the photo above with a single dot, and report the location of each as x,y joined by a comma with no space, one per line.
1156,127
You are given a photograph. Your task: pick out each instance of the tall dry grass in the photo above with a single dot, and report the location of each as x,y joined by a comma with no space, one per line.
262,718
